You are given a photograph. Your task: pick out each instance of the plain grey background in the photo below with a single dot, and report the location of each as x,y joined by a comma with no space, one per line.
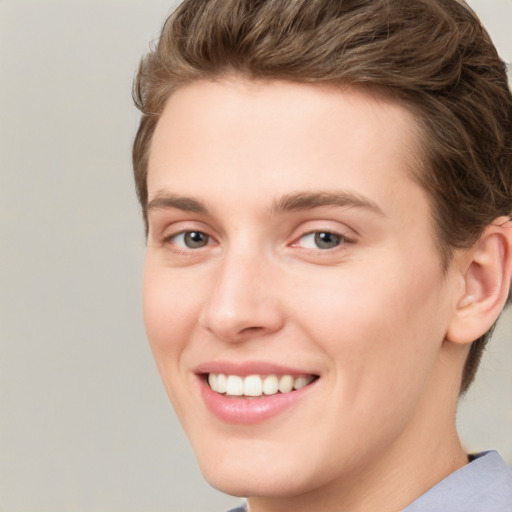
85,425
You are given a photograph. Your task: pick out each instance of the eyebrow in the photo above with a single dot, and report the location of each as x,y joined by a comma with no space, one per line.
287,203
186,204
311,200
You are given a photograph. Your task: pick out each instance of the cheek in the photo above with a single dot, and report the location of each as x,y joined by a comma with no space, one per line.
377,333
379,325
169,320
168,312
157,313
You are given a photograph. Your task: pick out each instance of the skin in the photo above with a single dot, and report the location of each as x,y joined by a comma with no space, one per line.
370,316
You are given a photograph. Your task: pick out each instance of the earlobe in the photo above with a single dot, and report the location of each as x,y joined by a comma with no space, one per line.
487,277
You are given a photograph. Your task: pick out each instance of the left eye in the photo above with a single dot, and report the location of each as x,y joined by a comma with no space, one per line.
191,240
321,240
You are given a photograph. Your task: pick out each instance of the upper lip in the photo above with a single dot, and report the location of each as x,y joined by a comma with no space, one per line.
246,368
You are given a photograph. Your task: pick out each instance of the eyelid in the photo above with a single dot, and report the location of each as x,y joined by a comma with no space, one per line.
178,232
169,227
184,232
312,226
344,239
165,235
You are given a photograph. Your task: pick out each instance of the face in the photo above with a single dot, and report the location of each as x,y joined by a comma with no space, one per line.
294,299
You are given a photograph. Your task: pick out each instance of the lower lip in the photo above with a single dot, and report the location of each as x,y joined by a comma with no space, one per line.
247,411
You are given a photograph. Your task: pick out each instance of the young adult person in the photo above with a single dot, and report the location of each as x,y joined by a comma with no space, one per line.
327,190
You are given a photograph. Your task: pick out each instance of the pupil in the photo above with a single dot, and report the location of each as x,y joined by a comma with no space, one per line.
327,240
194,239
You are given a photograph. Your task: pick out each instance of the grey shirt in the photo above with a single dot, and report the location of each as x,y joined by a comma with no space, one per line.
483,485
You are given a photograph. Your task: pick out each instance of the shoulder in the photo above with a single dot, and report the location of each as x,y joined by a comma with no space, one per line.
483,485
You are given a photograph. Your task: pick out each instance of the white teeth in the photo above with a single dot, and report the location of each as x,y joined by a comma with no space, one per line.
212,380
221,383
255,385
270,385
300,382
286,383
235,386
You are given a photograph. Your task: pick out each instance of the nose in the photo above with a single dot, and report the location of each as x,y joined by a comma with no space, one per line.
242,304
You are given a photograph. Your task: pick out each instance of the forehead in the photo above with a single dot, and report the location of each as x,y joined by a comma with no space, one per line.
264,138
238,104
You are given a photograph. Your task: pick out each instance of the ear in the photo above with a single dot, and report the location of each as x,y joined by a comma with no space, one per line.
487,272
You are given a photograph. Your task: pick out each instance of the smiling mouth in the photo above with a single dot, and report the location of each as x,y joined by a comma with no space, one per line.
257,385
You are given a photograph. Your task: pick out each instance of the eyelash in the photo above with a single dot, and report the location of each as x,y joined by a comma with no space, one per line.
340,240
184,247
171,239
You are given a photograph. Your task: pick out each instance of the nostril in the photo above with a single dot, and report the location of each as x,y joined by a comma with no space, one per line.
248,332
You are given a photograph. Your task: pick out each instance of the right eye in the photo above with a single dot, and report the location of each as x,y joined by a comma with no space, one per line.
323,240
190,240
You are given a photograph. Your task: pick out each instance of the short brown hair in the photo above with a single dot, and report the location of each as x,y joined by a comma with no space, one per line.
434,56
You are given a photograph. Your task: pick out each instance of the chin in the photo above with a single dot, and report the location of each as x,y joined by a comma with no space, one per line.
270,474
246,484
